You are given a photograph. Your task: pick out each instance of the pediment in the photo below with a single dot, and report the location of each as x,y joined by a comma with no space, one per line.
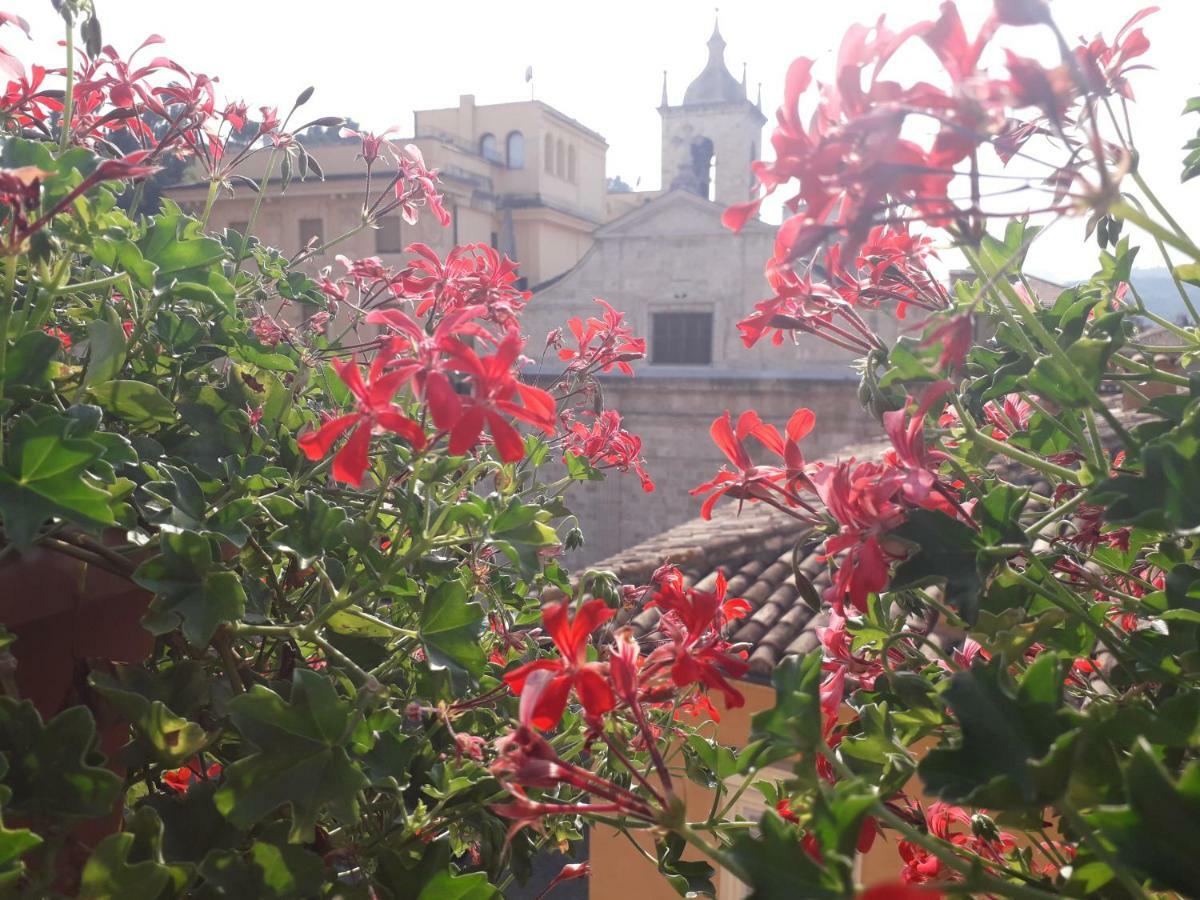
677,212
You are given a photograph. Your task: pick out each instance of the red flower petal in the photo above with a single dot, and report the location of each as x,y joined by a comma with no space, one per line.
316,444
351,461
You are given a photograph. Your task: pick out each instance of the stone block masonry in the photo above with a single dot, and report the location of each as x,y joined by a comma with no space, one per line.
673,417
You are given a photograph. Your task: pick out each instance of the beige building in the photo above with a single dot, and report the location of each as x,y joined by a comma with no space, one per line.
521,177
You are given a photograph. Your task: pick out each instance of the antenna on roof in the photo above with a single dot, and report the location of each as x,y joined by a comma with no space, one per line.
529,80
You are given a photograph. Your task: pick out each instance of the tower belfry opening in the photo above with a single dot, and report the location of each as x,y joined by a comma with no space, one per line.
715,121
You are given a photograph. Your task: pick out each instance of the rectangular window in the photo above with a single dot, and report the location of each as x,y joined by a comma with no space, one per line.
388,237
312,228
681,338
239,227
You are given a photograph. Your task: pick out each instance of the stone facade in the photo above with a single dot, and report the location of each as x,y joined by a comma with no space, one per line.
672,254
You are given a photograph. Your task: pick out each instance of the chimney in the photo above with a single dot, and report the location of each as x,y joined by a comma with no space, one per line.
466,118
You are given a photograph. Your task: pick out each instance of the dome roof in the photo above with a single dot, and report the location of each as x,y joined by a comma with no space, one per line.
715,84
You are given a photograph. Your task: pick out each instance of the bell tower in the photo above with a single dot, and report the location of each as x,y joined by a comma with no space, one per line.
712,137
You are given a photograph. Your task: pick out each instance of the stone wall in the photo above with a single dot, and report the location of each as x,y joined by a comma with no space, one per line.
673,416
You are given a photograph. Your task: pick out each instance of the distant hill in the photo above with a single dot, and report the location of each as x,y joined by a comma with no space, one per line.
1158,290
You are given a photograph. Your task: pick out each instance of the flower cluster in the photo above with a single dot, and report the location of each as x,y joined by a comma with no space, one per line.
862,179
864,500
692,657
601,344
606,445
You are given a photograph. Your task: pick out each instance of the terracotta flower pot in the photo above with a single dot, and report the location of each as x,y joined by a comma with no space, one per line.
67,617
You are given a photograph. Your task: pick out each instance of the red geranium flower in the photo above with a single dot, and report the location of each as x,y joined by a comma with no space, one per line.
375,412
753,482
693,621
571,669
860,496
494,387
181,779
603,343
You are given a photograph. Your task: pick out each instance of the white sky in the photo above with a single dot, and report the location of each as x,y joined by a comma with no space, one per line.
601,63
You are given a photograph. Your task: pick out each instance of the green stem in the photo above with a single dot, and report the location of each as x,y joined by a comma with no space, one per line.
7,302
359,675
1151,373
68,110
258,200
1035,530
1129,213
213,187
1071,814
1051,346
1069,603
1014,453
1155,202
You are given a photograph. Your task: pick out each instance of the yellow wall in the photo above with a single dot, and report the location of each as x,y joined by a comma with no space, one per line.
553,216
618,872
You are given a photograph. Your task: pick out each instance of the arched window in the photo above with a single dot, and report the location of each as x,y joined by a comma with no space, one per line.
548,154
560,159
488,149
571,164
702,178
515,147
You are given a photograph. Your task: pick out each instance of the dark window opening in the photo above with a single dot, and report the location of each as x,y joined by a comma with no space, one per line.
516,150
489,149
682,338
704,167
310,229
388,237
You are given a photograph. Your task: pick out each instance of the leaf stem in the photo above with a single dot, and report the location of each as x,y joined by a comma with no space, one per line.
68,110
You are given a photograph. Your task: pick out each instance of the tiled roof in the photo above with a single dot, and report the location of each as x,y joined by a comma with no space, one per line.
761,551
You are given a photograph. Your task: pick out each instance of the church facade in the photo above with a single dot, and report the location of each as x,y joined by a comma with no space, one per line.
684,281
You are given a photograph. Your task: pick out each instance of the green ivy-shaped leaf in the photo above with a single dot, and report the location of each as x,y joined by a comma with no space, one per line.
194,593
948,554
106,348
172,245
159,735
139,403
14,842
27,364
310,529
794,723
449,628
775,865
52,766
446,885
270,871
45,474
1005,758
1158,831
300,759
130,865
689,878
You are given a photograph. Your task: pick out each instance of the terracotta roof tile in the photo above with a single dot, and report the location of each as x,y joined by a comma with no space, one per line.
760,552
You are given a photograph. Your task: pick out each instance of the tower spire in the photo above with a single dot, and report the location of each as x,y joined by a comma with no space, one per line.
716,43
665,102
